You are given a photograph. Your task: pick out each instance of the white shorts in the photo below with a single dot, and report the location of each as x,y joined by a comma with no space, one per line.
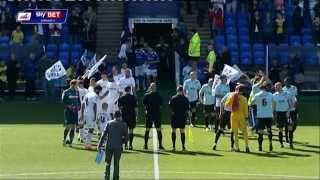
140,70
152,72
89,121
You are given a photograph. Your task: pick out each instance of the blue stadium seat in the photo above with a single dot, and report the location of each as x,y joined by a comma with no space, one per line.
244,39
64,47
77,47
245,46
233,47
311,58
219,40
231,31
307,39
232,38
259,57
245,58
51,55
306,32
294,40
75,56
27,39
234,57
52,47
219,47
4,39
64,58
242,23
258,47
229,22
243,31
283,56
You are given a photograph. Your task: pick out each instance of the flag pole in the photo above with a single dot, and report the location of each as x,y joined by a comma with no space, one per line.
267,60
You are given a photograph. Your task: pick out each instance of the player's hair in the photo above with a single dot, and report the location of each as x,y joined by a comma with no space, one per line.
127,89
98,88
179,88
73,82
240,88
104,105
264,85
117,114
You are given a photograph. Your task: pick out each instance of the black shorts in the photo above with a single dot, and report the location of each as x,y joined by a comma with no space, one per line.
192,58
178,121
153,119
193,105
225,120
294,117
70,117
217,110
208,108
281,119
130,120
264,123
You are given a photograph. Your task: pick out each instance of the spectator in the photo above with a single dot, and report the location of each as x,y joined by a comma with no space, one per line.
90,16
231,6
162,49
211,59
279,28
122,56
39,33
217,19
194,48
256,27
316,9
43,64
182,29
29,70
297,18
275,71
75,26
295,67
17,35
225,56
316,25
3,78
210,18
55,33
7,20
268,29
175,39
279,5
89,35
182,50
13,69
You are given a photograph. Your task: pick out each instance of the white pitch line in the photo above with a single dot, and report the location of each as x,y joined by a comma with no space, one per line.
155,155
164,172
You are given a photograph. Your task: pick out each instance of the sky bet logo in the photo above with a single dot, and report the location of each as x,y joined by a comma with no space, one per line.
42,16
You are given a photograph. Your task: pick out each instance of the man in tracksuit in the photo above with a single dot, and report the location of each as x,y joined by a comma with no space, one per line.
115,134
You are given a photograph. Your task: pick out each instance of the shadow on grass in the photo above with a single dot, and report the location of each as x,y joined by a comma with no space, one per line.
150,152
264,154
195,153
306,150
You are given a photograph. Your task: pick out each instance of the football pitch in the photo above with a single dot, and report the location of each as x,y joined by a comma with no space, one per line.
31,148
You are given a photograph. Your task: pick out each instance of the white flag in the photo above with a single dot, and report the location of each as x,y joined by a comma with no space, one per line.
92,62
231,73
94,68
84,59
56,71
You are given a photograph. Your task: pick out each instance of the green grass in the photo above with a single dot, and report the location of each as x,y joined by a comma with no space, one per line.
27,150
30,148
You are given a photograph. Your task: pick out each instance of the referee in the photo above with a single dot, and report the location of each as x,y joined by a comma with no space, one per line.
128,106
180,107
152,102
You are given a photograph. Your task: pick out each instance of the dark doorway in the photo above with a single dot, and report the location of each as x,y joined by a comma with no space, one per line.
152,33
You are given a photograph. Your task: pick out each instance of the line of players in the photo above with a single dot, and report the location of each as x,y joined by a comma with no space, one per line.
264,107
103,98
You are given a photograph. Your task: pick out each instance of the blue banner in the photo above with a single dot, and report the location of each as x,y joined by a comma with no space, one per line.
42,16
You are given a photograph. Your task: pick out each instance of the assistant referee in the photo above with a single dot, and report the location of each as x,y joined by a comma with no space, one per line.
180,107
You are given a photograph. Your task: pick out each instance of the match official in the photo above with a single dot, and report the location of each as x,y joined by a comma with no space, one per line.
129,107
180,108
115,134
152,102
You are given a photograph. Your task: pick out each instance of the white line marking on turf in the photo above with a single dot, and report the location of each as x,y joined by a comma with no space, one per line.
164,172
155,155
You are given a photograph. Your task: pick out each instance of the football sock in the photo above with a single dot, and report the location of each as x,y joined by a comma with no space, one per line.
183,139
173,138
217,137
232,140
291,137
270,136
71,135
280,137
130,139
65,134
260,139
146,137
159,133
